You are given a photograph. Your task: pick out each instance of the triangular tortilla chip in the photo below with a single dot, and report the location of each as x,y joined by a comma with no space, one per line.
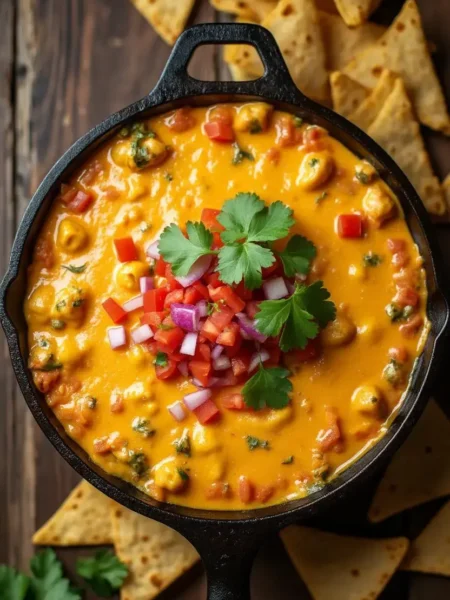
342,43
419,471
430,552
155,554
168,17
248,9
83,520
295,25
347,94
404,50
356,12
336,567
397,130
234,54
239,74
367,111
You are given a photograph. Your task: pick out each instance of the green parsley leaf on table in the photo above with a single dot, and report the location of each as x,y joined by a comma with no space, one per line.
298,317
48,581
13,585
297,255
182,252
103,572
268,388
244,261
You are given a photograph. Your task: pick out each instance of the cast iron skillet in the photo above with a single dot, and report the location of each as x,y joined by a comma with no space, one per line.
227,541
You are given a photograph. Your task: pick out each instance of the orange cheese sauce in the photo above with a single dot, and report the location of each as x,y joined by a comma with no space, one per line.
199,173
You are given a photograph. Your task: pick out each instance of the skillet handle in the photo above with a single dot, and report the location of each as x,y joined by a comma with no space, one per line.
176,80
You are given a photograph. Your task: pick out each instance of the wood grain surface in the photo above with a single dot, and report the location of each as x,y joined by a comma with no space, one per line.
64,66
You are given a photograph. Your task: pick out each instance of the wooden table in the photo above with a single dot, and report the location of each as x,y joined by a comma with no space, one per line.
64,66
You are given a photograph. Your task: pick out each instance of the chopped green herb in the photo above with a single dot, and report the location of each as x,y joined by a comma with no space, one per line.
288,461
78,302
268,387
255,126
211,307
92,402
142,426
182,252
60,305
298,121
183,444
43,343
239,155
254,442
168,177
125,131
140,153
164,326
161,359
58,324
314,162
182,473
103,572
74,269
321,197
50,365
139,463
397,313
362,177
372,260
393,372
297,255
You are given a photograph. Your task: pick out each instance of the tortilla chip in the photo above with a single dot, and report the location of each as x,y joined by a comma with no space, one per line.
248,9
347,94
397,130
342,44
430,552
404,50
83,520
234,54
239,74
155,554
367,111
356,12
168,17
420,471
338,567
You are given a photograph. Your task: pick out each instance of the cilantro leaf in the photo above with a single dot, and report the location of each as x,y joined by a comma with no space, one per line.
254,442
244,261
297,255
272,223
297,318
183,252
74,268
13,585
160,359
48,582
237,215
268,387
103,572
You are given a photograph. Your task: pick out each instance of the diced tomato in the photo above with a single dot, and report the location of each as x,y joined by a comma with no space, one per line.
406,296
313,139
67,193
225,294
201,289
77,202
264,493
152,347
241,362
168,371
222,317
399,353
217,241
160,267
228,378
232,351
400,259
213,279
233,402
217,491
287,133
274,356
219,132
349,226
201,370
266,271
206,412
170,338
309,352
168,322
180,120
172,283
396,245
154,319
209,219
243,292
192,296
203,352
246,490
410,328
222,114
252,308
328,438
114,310
210,331
126,249
154,300
174,296
229,335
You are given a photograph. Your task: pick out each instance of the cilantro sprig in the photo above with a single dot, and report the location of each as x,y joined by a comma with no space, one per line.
182,252
268,388
298,317
103,572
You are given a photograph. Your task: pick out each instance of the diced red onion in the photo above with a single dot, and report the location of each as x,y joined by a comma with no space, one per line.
141,334
185,316
222,363
177,411
249,327
183,368
197,382
213,381
290,286
244,334
146,284
189,344
257,358
196,399
117,337
197,271
274,289
152,250
222,381
216,351
134,303
202,308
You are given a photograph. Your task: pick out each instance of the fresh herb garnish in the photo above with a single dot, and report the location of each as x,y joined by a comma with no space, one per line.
254,442
77,303
58,324
74,269
255,126
142,426
211,307
297,318
60,305
138,463
13,585
239,155
183,444
139,153
43,343
393,372
314,162
298,121
182,473
297,255
50,365
161,359
168,177
362,177
183,252
372,260
165,326
91,402
268,388
103,572
288,461
398,313
47,580
321,197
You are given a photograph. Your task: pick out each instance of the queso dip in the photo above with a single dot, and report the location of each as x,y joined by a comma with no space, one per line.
224,306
